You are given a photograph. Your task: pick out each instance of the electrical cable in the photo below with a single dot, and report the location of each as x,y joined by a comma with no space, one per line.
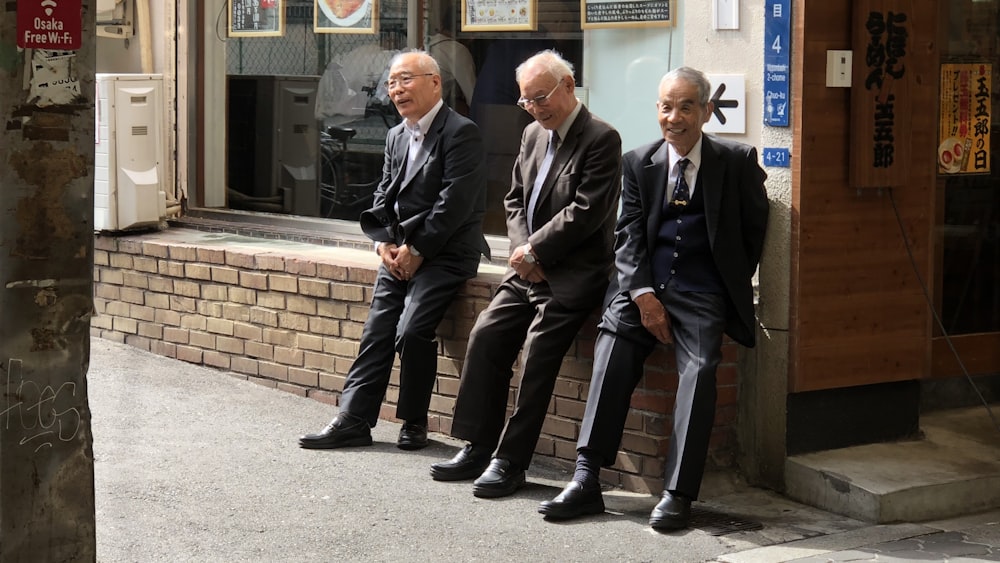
218,19
937,318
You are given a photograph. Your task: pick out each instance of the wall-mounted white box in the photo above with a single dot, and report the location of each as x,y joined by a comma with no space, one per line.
838,69
726,14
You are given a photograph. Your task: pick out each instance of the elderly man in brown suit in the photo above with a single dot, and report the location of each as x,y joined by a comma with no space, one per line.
561,212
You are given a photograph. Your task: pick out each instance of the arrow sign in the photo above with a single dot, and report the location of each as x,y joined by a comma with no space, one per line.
729,115
719,103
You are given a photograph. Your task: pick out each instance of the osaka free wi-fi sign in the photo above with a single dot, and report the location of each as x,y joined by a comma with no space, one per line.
49,24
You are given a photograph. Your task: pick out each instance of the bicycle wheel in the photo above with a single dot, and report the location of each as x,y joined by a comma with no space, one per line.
329,182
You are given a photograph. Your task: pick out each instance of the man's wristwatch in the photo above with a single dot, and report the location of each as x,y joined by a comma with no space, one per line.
529,258
414,251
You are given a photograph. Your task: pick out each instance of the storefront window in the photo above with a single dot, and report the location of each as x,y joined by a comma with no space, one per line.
968,179
307,113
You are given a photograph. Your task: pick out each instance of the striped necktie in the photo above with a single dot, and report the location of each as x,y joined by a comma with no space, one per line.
543,171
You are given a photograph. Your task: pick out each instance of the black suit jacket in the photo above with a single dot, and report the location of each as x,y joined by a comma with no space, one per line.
575,215
736,209
441,197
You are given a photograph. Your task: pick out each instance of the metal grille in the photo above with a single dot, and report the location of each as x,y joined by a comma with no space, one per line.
720,524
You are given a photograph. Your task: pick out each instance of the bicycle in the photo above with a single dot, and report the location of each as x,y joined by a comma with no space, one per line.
340,197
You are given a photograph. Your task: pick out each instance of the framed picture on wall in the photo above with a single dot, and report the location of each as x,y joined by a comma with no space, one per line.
256,18
498,15
626,13
345,16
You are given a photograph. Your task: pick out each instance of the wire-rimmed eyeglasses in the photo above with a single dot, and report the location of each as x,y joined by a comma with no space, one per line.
403,81
538,100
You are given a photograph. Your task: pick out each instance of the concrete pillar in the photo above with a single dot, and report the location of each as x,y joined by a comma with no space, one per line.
46,278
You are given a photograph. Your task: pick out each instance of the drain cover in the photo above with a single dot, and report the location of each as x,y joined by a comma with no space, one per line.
719,524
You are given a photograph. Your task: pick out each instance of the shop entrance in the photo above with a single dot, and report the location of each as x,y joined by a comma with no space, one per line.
967,253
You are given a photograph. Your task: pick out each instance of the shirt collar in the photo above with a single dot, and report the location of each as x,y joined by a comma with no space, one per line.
694,155
563,129
424,123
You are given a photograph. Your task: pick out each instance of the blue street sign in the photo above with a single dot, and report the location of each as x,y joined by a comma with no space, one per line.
777,61
777,158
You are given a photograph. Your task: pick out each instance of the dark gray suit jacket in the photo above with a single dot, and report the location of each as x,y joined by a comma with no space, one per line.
441,197
575,214
736,210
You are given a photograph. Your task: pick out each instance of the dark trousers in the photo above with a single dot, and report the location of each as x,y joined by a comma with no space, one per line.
403,319
520,313
697,322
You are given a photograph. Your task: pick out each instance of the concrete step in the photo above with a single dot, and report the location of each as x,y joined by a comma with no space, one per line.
953,470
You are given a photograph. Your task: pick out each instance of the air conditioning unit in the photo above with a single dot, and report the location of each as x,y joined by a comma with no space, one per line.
130,154
273,140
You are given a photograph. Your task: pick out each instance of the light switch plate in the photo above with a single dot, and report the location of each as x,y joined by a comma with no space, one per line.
726,14
838,69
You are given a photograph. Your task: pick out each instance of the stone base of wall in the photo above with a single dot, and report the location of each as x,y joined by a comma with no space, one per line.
289,316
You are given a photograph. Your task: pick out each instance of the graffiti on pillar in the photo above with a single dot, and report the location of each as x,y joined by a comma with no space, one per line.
39,411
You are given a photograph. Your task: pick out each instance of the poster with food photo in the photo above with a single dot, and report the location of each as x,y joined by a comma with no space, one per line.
964,133
345,16
496,15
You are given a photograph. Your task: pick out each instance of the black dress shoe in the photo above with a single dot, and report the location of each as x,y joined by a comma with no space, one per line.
412,437
574,500
467,464
343,431
673,512
501,478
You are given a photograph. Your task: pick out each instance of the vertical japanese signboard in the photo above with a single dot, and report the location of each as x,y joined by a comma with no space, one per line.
881,104
49,24
966,110
777,58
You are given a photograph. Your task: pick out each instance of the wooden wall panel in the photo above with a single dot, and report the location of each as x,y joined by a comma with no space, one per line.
858,315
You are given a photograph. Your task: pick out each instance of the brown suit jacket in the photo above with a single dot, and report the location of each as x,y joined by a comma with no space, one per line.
574,220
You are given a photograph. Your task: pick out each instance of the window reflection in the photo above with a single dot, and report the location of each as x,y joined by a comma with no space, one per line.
969,274
327,164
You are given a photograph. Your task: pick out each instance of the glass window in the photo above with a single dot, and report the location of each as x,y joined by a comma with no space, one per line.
308,112
969,203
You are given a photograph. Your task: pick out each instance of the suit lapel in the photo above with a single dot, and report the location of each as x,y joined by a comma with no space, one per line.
430,138
655,175
709,182
397,144
562,157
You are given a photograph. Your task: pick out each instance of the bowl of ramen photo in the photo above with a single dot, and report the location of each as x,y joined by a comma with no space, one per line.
951,153
344,13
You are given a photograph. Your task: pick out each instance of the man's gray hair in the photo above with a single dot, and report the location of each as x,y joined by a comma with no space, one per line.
694,76
427,62
551,60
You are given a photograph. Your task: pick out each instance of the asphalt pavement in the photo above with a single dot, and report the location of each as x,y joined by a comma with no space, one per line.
196,464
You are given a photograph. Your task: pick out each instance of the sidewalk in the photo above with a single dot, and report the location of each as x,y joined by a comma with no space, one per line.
192,464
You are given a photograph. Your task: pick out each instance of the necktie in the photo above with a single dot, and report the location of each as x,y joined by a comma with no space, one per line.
543,171
681,193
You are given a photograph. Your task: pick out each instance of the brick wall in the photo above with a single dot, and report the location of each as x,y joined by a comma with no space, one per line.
292,321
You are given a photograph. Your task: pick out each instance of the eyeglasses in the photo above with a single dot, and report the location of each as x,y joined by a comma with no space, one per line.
537,101
403,81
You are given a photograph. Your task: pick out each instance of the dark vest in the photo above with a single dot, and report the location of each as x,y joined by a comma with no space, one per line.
682,251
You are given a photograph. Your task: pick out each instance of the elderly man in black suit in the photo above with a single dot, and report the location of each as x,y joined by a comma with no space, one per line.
690,235
560,220
427,223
